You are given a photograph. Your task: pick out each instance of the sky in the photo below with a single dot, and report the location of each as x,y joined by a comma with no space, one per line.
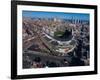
62,15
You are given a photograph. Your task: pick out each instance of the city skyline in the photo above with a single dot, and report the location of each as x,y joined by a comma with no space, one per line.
62,15
50,39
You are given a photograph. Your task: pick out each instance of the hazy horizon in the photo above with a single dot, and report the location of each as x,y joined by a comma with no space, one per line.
62,15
